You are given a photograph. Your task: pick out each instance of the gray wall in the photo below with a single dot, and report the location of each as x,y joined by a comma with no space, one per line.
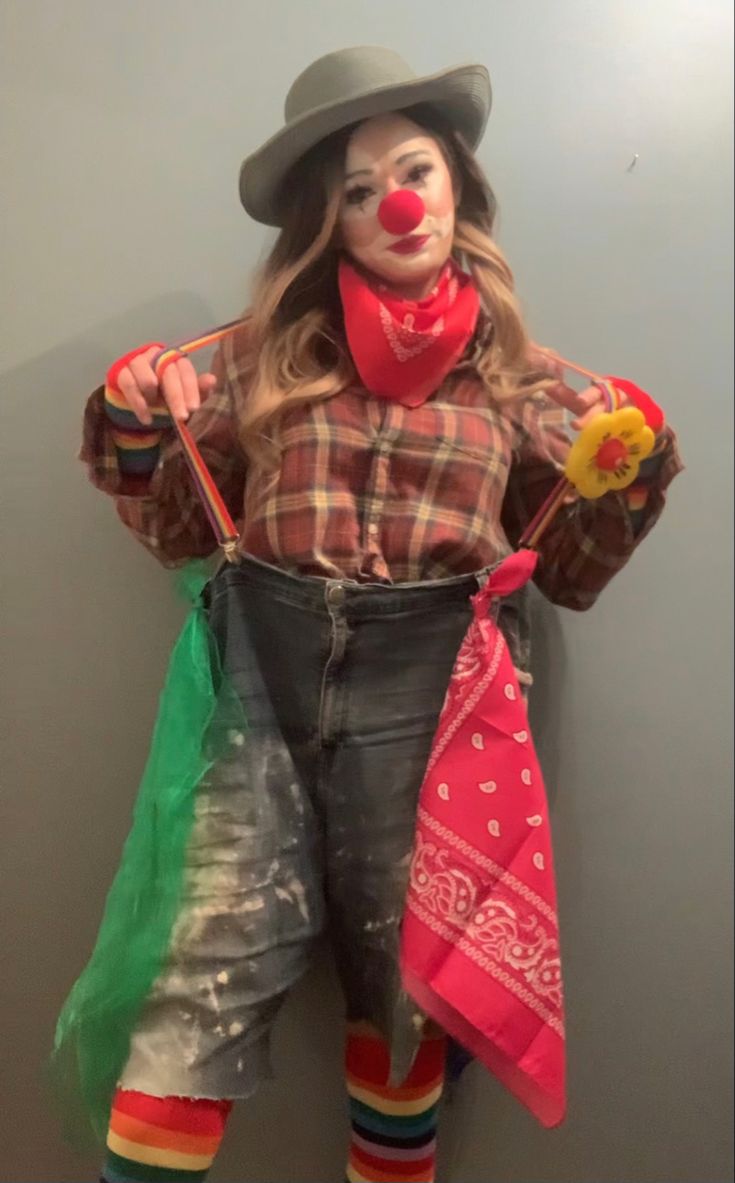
123,126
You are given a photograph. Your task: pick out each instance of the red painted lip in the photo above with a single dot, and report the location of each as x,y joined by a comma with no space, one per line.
409,246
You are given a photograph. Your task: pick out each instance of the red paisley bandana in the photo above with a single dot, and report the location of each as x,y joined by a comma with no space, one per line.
480,935
404,349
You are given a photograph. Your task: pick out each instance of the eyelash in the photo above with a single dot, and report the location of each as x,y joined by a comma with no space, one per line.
360,194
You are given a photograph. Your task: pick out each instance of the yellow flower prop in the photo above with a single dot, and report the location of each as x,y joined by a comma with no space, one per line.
607,453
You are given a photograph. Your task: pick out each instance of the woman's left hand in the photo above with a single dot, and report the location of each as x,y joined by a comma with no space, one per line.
585,405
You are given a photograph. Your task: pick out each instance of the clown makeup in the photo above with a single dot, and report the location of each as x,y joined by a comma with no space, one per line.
384,155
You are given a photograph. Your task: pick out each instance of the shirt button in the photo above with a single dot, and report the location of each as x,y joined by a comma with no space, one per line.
373,528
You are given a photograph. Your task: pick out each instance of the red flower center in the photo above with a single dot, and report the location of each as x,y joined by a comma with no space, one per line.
611,455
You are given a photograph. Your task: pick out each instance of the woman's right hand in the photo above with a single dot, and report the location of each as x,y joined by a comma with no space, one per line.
182,389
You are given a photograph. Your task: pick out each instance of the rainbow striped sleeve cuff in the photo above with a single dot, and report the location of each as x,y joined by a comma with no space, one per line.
137,445
637,494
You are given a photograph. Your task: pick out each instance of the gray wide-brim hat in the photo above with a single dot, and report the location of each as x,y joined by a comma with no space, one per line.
344,87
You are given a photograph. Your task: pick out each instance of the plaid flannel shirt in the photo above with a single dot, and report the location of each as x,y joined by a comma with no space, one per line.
371,490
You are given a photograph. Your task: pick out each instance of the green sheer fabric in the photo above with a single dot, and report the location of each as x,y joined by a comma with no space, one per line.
196,710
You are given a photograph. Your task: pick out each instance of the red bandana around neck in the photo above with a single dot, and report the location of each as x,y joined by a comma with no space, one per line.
404,349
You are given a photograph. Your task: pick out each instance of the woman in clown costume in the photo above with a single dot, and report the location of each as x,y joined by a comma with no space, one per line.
383,435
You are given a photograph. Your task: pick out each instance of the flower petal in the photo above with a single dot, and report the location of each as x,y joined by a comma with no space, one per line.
596,430
646,443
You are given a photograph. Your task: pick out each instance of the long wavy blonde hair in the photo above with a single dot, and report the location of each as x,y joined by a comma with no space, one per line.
295,349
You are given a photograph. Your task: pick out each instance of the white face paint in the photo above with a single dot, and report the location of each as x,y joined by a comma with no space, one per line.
383,155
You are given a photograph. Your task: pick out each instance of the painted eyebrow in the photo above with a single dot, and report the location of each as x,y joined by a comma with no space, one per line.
368,172
410,155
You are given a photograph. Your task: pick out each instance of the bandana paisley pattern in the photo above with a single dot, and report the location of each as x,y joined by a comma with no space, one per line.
480,939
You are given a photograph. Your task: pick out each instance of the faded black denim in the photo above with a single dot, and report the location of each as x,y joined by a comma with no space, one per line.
307,822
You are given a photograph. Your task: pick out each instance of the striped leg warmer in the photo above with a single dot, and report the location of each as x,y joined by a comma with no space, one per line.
162,1139
393,1128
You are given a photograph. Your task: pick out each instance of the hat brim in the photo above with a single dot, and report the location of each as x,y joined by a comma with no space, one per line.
462,93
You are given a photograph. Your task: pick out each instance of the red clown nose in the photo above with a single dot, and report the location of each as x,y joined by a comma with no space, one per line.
401,212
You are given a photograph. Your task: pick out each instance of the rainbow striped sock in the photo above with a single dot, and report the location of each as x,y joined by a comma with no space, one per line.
393,1128
162,1139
